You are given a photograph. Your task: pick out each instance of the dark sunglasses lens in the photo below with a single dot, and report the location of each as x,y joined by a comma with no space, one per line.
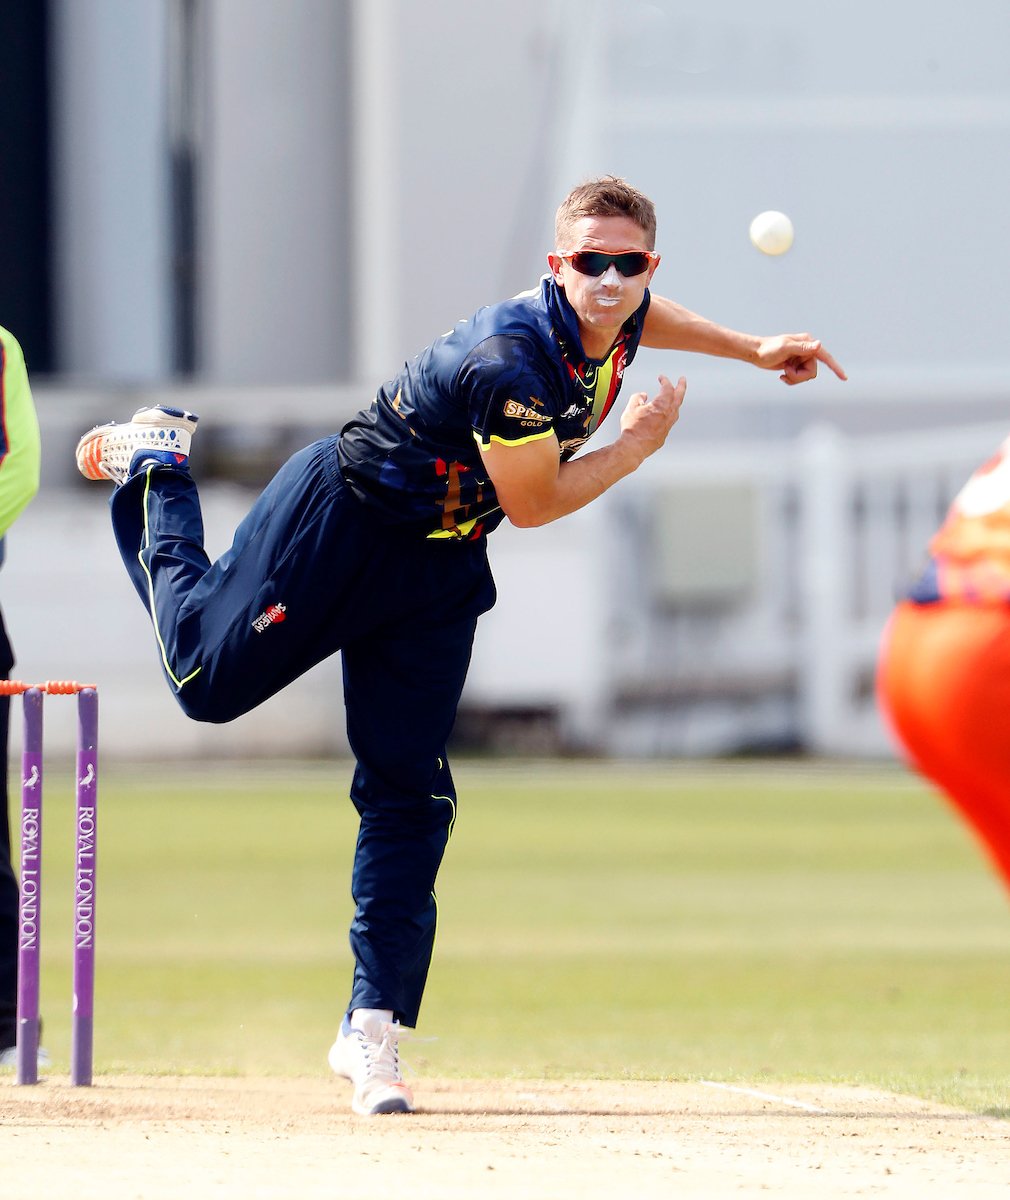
592,262
631,264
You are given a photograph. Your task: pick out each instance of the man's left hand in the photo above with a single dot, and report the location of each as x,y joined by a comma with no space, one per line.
796,355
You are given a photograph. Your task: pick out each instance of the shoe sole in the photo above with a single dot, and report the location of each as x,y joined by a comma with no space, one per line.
164,417
384,1108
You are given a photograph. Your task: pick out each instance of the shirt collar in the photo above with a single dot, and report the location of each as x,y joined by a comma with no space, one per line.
566,323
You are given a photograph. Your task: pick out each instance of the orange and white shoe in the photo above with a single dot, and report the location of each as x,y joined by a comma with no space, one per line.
161,435
369,1058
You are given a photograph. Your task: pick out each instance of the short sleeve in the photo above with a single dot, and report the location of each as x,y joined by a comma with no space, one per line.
509,399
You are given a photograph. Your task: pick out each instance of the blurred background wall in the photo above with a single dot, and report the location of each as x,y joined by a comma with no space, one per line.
260,208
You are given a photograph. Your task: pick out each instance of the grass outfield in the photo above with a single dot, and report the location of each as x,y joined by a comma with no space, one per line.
764,922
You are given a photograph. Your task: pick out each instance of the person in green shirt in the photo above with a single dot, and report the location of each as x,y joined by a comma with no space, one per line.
20,458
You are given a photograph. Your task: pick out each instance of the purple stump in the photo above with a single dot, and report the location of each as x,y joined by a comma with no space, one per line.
30,909
82,1033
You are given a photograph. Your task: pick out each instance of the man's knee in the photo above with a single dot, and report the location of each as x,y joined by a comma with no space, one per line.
201,704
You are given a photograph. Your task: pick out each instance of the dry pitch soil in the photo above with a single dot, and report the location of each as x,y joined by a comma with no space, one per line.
130,1138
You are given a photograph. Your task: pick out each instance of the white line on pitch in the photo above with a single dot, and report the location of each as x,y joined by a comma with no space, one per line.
728,1087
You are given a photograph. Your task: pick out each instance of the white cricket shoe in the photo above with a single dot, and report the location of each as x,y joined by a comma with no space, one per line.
160,434
370,1059
9,1058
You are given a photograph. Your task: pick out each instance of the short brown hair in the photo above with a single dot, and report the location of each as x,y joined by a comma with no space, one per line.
608,196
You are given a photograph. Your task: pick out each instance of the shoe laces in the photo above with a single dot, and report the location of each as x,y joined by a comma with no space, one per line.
382,1053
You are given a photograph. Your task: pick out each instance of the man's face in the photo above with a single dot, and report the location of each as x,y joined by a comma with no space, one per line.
604,302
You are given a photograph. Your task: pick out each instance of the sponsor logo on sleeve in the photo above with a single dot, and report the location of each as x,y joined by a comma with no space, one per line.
525,414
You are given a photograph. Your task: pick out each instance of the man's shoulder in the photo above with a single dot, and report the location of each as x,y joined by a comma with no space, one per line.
524,315
517,328
11,347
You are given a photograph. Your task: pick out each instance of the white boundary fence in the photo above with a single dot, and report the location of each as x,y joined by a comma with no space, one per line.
728,597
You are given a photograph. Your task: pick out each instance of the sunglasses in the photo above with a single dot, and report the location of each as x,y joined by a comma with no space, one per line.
595,262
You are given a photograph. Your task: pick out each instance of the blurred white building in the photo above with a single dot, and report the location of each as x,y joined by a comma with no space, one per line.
272,203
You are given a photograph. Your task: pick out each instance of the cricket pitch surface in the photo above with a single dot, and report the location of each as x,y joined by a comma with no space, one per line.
132,1138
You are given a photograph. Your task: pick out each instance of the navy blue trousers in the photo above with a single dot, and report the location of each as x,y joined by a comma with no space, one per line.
312,571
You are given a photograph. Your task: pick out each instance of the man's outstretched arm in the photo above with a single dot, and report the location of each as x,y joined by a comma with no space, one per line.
670,326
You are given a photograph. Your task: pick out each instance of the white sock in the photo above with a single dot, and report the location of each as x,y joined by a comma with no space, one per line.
371,1020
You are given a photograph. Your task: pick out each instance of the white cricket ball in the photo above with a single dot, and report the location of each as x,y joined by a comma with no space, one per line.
771,232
